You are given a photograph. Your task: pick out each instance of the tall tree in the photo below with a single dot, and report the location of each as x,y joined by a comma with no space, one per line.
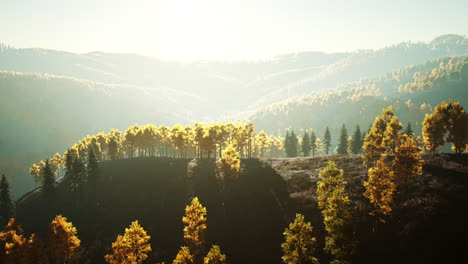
407,162
392,134
380,188
299,245
433,131
63,242
319,145
7,209
230,162
356,143
214,256
457,126
343,143
131,248
313,143
327,140
409,130
306,144
291,149
335,205
195,227
48,180
92,167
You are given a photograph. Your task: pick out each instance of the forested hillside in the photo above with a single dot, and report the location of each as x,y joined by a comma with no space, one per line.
412,90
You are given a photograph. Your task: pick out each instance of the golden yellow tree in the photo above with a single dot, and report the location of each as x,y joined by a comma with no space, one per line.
63,242
434,131
214,256
261,143
13,245
36,251
299,245
391,135
184,257
195,226
373,147
407,162
230,162
380,188
457,126
131,248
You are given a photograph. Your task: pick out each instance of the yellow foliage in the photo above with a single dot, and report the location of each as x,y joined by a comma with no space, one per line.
214,256
195,226
408,161
299,245
380,188
230,162
131,248
184,256
63,242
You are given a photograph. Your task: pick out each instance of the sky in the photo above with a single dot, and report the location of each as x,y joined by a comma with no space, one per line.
190,30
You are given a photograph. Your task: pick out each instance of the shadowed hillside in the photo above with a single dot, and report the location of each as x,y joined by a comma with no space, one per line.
246,217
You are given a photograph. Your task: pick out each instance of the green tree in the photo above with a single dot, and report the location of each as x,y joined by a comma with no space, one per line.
327,140
313,143
7,209
299,245
356,143
409,130
335,205
92,167
306,144
48,180
343,143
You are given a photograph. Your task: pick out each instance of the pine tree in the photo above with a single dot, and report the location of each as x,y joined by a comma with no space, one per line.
287,144
214,256
380,188
409,130
195,227
92,167
78,175
63,243
306,144
294,144
299,246
343,144
7,208
230,162
327,140
335,205
48,181
131,248
407,162
356,143
184,257
313,143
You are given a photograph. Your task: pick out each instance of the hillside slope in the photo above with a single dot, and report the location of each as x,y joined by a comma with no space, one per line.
246,217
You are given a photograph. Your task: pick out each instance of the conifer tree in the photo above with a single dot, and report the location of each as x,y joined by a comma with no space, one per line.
380,188
343,143
335,205
306,145
287,144
373,147
327,140
7,208
409,130
230,162
48,180
356,143
92,167
407,162
131,248
214,256
294,144
313,143
299,246
195,227
184,257
63,242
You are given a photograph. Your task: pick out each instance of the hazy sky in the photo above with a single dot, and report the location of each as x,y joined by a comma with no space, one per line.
225,30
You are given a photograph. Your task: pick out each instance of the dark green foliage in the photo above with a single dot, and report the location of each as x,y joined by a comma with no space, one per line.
68,163
7,208
78,175
306,144
356,143
409,131
92,167
313,146
48,180
327,140
343,143
291,144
